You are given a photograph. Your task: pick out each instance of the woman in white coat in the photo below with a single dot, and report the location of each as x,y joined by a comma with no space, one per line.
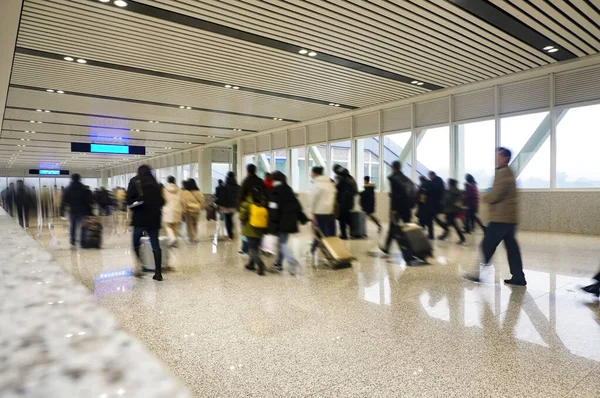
172,212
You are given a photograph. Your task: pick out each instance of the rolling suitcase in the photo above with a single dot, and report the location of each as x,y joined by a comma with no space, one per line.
91,233
414,241
334,250
147,256
358,224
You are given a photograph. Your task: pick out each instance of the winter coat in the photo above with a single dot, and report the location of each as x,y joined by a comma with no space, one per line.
400,202
248,186
173,209
57,197
367,199
453,201
284,209
346,190
248,230
436,194
425,211
79,199
471,197
322,196
192,199
45,196
227,195
149,214
502,199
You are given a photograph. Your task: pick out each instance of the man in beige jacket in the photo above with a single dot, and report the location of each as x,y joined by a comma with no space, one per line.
503,217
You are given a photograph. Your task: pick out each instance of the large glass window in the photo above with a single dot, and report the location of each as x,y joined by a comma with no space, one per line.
263,164
340,154
248,159
367,160
577,143
476,144
433,151
528,137
298,175
317,156
397,146
219,172
280,160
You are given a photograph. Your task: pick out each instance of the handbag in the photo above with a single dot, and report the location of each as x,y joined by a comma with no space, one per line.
140,201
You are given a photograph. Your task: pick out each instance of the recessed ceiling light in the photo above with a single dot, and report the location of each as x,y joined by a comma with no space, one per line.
33,132
337,105
181,107
548,48
60,91
312,54
47,111
39,122
228,86
414,82
32,121
331,104
120,3
38,110
235,87
81,61
68,58
50,90
553,50
303,51
420,83
188,107
104,1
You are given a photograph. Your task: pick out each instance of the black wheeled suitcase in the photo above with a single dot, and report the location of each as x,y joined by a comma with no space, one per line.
358,224
91,233
415,241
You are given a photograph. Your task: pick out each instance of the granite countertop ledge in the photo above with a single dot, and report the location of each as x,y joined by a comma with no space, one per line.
56,341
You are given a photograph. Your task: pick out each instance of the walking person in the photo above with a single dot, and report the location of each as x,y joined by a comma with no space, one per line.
251,182
79,200
425,210
322,197
145,199
452,209
193,204
436,194
173,210
22,201
284,213
503,215
367,202
227,195
401,203
471,199
346,190
57,198
594,288
254,218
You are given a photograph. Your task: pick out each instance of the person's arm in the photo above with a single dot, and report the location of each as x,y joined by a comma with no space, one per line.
243,212
499,189
132,193
200,199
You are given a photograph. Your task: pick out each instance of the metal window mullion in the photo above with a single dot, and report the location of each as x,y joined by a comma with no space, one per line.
552,133
453,142
353,169
413,134
381,160
497,131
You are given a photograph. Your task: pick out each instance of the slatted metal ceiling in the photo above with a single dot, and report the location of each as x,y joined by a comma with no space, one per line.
146,60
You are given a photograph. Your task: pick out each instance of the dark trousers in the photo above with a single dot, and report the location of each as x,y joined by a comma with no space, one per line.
75,220
23,215
229,224
152,233
344,221
451,222
374,219
254,253
497,232
472,220
395,233
326,224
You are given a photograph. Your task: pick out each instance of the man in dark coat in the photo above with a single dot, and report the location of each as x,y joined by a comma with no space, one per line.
22,201
79,199
367,202
437,190
284,213
346,190
227,197
251,182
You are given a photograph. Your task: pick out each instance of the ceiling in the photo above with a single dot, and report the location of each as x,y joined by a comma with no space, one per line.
246,66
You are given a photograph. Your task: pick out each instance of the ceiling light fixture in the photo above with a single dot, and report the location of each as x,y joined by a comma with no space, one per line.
228,86
81,61
235,87
120,3
38,110
548,48
181,107
46,111
60,91
553,50
303,52
188,108
50,90
420,83
414,82
312,54
104,1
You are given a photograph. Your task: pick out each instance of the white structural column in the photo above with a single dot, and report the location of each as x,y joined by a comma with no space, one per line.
9,25
205,170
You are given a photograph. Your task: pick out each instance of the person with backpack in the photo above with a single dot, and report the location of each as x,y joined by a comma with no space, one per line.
227,201
452,208
471,199
367,202
285,211
193,204
425,211
402,200
79,200
249,184
346,190
254,217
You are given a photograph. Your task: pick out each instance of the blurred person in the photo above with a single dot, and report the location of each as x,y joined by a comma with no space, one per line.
9,198
251,182
471,199
56,199
401,204
346,190
193,204
45,201
22,202
436,194
322,197
105,202
227,201
594,288
146,200
452,209
425,210
367,202
503,215
172,210
284,213
254,218
79,200
121,198
268,182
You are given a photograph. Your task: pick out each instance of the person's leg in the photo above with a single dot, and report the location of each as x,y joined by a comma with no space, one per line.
137,237
20,215
229,224
72,227
513,253
254,253
26,216
376,221
156,250
344,218
281,241
491,240
452,222
469,220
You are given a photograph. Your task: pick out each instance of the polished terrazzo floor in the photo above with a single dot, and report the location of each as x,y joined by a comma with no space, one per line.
379,329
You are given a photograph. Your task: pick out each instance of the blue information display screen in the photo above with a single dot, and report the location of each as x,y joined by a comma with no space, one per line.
102,148
50,172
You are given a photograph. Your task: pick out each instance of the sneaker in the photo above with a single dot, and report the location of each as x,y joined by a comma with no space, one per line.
343,237
157,277
379,229
292,269
442,237
592,289
385,251
146,269
461,242
241,252
261,272
515,282
277,267
472,276
250,267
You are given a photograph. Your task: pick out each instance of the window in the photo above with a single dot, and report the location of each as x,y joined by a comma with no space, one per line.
186,172
263,164
281,160
476,151
527,136
340,154
219,172
577,143
433,151
248,159
367,160
397,146
298,175
317,156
